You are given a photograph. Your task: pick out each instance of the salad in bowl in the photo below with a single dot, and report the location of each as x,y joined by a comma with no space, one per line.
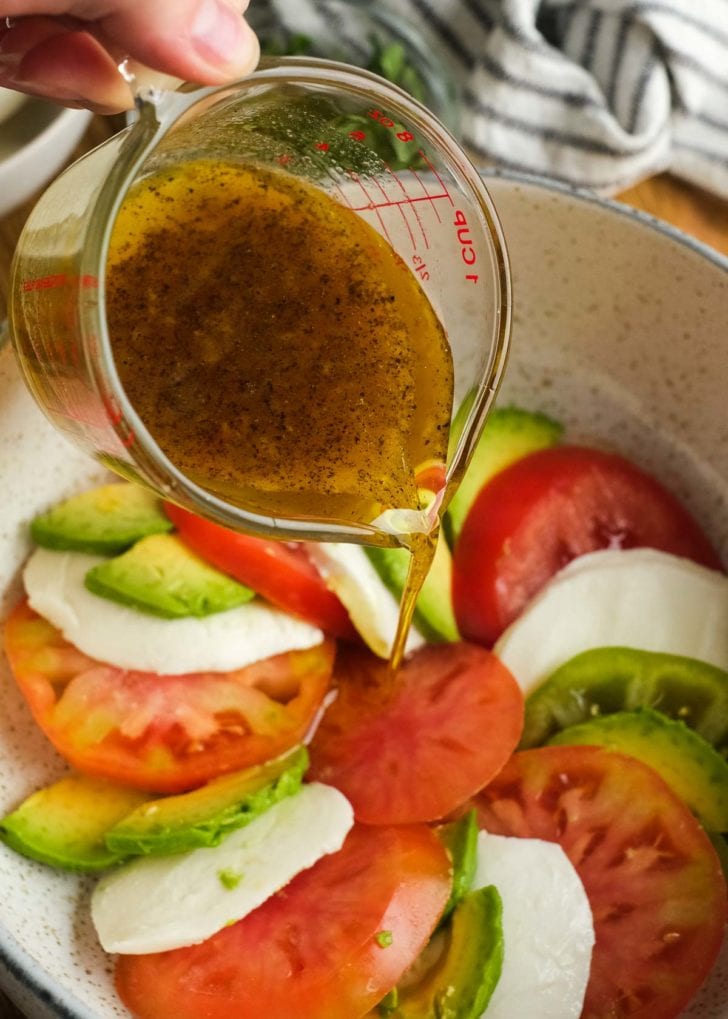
216,798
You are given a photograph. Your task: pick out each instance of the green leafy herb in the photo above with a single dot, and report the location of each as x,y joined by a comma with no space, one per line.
388,60
296,45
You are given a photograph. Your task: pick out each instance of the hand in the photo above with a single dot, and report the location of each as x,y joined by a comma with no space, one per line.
69,50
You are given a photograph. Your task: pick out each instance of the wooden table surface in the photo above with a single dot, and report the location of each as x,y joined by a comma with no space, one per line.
692,210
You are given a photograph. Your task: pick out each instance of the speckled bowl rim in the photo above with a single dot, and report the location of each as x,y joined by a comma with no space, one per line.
14,961
629,212
17,968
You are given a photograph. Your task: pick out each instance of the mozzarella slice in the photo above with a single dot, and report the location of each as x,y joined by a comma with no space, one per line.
638,598
159,903
372,607
122,636
548,930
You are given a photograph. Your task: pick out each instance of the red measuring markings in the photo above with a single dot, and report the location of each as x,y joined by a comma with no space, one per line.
345,201
371,206
385,121
116,417
391,203
421,268
403,189
403,200
427,195
60,279
408,199
399,208
440,181
464,234
467,250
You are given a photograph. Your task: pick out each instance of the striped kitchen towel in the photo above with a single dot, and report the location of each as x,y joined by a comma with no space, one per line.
595,93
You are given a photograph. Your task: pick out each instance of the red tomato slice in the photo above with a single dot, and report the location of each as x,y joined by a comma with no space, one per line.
329,946
538,514
279,571
414,746
162,733
652,877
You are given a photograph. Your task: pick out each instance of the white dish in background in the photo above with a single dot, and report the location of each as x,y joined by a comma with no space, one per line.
36,140
10,101
619,331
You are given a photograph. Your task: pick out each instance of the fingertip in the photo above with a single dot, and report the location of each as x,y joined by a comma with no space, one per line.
222,38
203,41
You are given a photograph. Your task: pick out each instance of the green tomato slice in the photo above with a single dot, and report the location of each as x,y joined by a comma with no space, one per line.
605,680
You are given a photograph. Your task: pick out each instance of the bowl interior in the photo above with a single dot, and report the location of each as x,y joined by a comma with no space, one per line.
36,139
619,332
10,101
21,123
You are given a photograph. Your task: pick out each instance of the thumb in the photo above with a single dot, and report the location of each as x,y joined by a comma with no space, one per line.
206,41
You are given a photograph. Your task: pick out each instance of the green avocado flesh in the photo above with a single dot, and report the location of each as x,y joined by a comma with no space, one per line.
161,576
104,520
204,816
460,838
434,616
686,762
64,824
606,680
508,435
458,971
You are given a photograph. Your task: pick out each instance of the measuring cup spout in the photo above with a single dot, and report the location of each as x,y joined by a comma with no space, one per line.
404,522
154,89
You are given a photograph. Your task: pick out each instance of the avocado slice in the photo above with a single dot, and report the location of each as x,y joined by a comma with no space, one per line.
163,577
687,763
434,616
509,434
458,971
460,838
605,680
103,521
205,816
64,824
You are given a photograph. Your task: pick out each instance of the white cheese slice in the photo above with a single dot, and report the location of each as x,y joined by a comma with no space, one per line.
548,930
159,903
638,598
129,639
372,607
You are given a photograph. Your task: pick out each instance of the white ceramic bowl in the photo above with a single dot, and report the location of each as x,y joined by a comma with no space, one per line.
36,140
10,102
620,331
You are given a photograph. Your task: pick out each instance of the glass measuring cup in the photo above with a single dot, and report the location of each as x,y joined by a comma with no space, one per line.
372,149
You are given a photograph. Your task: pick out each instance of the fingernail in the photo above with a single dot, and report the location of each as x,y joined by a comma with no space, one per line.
219,34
